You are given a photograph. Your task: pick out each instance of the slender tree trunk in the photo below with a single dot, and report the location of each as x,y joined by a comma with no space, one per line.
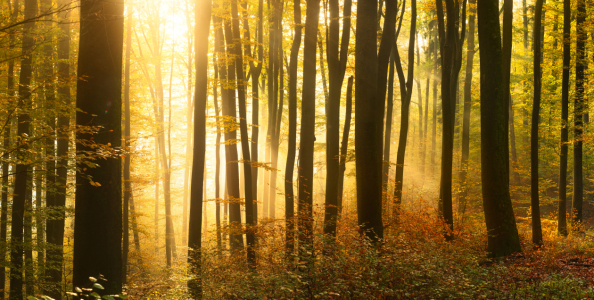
406,86
202,12
189,119
22,175
278,107
578,181
6,145
562,222
535,202
435,80
389,119
467,108
292,139
98,203
499,216
345,143
368,124
256,106
127,146
55,223
308,114
420,104
28,237
337,59
249,201
232,169
217,153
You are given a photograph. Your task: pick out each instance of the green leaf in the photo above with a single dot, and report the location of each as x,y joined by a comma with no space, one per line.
98,286
93,279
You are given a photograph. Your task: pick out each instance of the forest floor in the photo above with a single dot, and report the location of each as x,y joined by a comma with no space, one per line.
414,262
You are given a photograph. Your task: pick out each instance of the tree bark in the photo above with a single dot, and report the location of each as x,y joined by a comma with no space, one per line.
292,139
337,55
345,143
562,218
499,216
578,115
534,198
308,114
202,16
127,146
368,124
22,176
98,209
189,119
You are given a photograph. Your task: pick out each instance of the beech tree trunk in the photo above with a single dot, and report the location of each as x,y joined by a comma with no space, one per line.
562,218
98,203
345,143
499,215
534,197
578,114
292,139
337,59
201,32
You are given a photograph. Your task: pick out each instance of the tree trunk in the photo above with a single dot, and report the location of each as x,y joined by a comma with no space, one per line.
562,222
435,80
202,16
534,201
292,138
189,119
6,145
249,201
389,119
467,107
499,216
217,150
98,203
308,115
232,169
337,59
345,143
368,124
127,146
578,180
406,86
22,175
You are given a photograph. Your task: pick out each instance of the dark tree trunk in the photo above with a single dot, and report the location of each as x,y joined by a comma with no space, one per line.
98,209
578,180
345,142
368,124
337,59
534,199
127,181
406,86
435,81
292,139
22,175
507,53
189,118
389,119
450,45
55,223
308,115
217,150
420,104
499,215
201,31
256,71
562,222
245,147
231,155
28,235
467,107
6,145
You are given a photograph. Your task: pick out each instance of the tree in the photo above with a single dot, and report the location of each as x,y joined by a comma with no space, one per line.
534,197
562,218
98,203
578,113
467,107
499,216
337,59
245,143
450,48
406,89
308,114
345,142
368,124
202,12
289,171
22,176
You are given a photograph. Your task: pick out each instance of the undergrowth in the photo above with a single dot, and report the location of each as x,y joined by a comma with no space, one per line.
413,262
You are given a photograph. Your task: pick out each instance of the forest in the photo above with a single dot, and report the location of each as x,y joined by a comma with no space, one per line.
315,149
